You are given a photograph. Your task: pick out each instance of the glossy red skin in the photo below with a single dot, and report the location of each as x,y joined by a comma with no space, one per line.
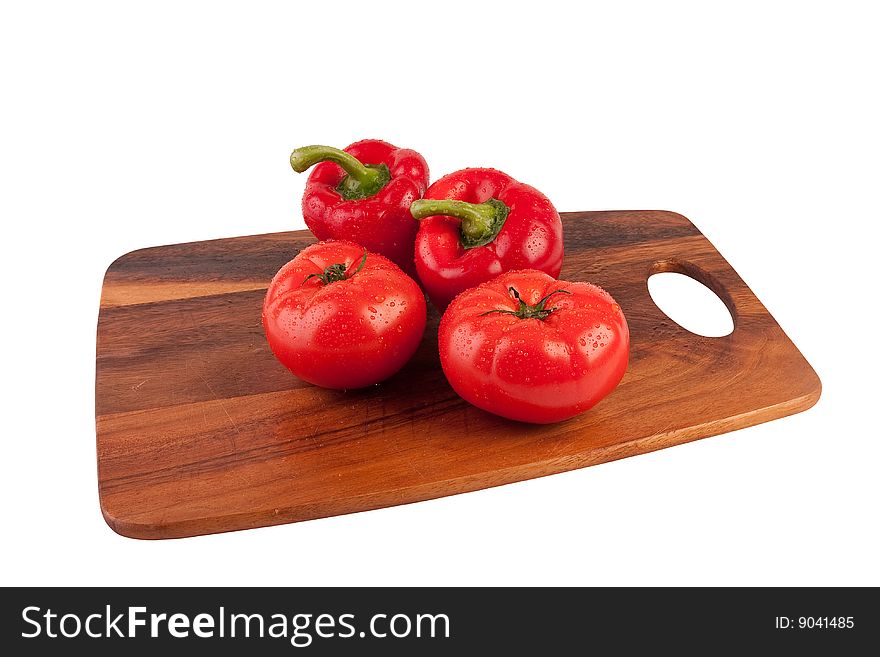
531,237
346,334
534,370
382,222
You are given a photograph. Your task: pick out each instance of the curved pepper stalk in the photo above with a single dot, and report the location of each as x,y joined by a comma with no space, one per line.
480,222
361,180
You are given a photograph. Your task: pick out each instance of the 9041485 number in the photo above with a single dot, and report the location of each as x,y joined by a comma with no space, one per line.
826,622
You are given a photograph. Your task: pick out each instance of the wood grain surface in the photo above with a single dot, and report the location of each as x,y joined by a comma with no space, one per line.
201,430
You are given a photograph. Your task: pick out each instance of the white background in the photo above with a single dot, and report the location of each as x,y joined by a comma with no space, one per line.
128,125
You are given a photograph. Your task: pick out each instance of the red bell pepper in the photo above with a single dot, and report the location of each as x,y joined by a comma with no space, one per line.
478,223
362,194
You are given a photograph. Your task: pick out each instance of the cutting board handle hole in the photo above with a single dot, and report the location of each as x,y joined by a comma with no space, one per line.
691,298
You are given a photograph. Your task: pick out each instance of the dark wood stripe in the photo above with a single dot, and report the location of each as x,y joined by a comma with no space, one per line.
239,258
260,256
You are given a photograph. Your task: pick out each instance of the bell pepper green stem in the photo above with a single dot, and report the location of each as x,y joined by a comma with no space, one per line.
308,156
361,180
480,222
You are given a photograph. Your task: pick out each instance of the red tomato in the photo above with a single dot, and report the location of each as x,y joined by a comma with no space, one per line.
340,317
528,347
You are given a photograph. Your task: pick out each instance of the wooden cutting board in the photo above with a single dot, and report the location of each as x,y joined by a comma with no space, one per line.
201,430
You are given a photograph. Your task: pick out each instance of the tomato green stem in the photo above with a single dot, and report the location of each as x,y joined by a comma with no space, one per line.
361,180
480,222
336,272
525,311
